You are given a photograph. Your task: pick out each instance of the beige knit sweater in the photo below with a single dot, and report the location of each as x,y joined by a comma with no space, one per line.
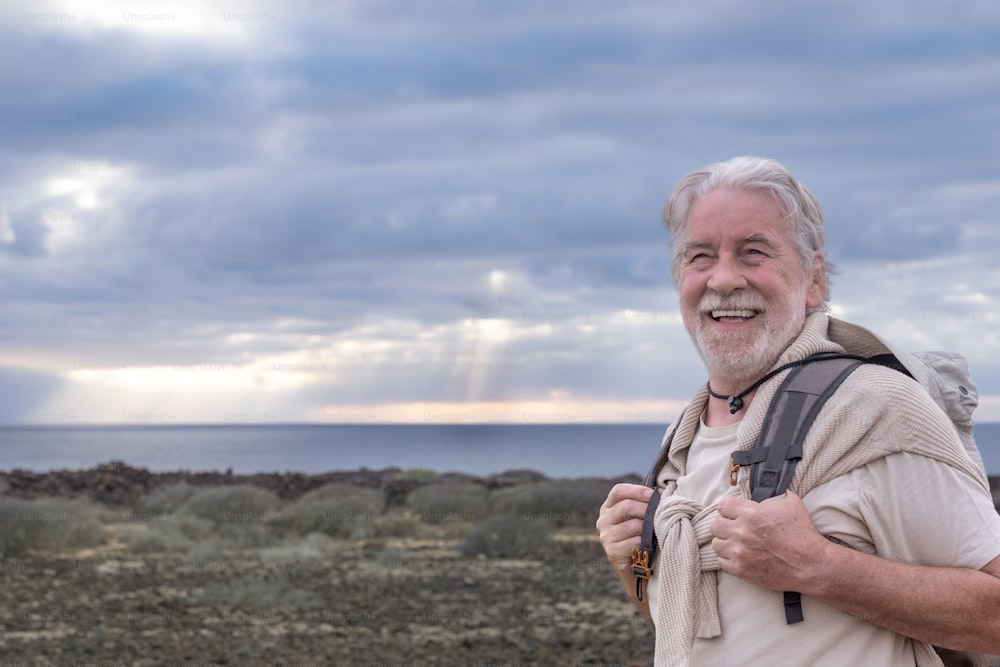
877,412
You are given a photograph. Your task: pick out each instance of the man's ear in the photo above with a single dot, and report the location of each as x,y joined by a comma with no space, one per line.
817,282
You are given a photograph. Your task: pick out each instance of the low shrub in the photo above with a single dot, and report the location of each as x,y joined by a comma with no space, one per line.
223,505
249,535
166,499
398,523
337,510
313,547
449,501
48,524
564,502
341,491
174,532
191,527
234,516
507,536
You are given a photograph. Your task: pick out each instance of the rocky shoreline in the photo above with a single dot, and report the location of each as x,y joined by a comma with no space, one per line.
118,484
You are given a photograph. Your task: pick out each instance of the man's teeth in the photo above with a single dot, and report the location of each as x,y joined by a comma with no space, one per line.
744,314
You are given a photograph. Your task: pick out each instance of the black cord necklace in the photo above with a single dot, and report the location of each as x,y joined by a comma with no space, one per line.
736,402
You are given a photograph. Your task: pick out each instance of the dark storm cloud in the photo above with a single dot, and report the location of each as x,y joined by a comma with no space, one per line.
374,165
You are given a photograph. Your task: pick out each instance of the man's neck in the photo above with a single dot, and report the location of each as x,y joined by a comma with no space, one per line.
717,412
728,382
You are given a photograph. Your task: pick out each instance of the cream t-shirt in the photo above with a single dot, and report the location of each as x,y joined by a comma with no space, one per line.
904,507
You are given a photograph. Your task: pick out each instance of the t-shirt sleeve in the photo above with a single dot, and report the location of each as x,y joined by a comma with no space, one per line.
922,511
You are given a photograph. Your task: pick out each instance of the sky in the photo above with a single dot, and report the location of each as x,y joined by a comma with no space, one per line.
448,211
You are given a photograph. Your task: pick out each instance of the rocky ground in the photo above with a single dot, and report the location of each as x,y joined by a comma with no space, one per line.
373,602
384,602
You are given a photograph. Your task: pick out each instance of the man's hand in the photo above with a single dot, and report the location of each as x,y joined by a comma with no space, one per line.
775,545
620,523
772,544
620,528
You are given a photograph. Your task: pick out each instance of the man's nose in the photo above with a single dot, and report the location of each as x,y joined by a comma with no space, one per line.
727,276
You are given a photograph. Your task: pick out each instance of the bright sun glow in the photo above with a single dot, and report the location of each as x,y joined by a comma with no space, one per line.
498,280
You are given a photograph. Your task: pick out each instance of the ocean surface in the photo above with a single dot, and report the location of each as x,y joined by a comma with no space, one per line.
557,450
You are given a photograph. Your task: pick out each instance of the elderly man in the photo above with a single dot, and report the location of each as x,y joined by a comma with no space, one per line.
891,539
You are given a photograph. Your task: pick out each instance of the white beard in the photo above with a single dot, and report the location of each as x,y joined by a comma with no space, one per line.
738,359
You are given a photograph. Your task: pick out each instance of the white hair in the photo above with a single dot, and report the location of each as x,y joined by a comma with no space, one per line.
755,174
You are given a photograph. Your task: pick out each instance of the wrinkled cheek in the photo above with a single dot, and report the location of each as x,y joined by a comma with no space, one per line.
692,322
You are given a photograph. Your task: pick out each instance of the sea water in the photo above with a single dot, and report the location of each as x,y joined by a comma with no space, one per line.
556,450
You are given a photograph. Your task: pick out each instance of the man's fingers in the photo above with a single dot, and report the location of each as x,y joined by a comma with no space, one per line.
719,546
621,492
618,542
620,521
624,512
787,495
624,543
624,502
613,530
732,508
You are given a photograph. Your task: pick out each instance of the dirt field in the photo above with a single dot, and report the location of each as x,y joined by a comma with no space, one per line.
166,586
376,603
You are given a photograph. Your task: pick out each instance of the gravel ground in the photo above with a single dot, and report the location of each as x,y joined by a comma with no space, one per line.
375,603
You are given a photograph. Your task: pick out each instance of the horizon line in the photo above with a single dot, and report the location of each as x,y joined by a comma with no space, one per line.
140,424
177,424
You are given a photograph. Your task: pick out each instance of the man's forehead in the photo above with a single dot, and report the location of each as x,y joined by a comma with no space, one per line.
767,238
736,204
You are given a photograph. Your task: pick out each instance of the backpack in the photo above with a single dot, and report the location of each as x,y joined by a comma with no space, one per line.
796,404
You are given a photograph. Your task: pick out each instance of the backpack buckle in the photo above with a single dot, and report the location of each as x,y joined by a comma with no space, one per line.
641,570
640,564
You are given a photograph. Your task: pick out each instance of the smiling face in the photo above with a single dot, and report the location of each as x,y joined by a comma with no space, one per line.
744,292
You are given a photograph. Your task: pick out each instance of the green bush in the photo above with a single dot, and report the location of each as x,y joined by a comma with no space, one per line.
397,523
225,505
173,532
248,535
312,547
507,536
337,510
340,491
234,516
190,527
49,524
449,501
167,499
564,502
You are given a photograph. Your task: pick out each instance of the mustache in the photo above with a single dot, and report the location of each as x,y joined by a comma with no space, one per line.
742,301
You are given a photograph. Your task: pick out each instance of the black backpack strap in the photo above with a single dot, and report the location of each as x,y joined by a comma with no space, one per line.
642,558
661,456
778,450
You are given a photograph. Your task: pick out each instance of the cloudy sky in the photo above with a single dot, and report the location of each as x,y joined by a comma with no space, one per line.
448,210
